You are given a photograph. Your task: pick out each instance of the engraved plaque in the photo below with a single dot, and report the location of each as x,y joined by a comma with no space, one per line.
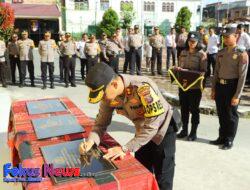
66,155
45,106
56,126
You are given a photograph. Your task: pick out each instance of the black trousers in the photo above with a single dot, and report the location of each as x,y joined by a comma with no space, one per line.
135,60
61,68
91,61
211,60
190,102
84,63
44,66
127,61
24,65
69,69
156,56
160,159
170,52
228,115
114,62
3,72
15,62
179,50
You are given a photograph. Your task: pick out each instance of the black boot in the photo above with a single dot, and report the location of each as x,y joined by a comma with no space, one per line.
21,85
33,84
192,136
44,86
66,85
4,85
183,133
218,141
52,85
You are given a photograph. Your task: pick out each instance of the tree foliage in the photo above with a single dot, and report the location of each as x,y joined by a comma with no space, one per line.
109,23
165,27
7,20
127,14
183,19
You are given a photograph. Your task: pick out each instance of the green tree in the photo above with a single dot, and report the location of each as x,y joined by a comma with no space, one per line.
183,19
165,27
127,14
109,23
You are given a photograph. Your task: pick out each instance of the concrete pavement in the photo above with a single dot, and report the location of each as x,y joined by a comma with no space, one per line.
199,166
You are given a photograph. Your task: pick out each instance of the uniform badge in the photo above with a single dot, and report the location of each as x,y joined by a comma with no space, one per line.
150,101
114,103
235,56
133,101
128,91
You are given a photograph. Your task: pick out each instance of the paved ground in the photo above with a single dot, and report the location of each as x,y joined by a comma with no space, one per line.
199,166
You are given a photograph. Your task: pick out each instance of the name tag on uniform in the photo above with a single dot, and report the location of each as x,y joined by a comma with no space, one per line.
15,56
70,56
235,56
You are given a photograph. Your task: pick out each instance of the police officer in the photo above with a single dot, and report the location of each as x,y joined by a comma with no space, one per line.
61,39
46,50
111,52
14,58
126,50
25,48
92,49
68,50
139,99
135,42
83,59
228,82
194,59
157,43
3,63
103,43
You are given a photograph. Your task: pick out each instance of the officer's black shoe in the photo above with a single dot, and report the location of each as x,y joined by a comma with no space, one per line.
182,134
4,85
33,84
139,74
73,85
21,85
44,87
153,74
227,145
218,141
66,85
83,77
52,86
192,137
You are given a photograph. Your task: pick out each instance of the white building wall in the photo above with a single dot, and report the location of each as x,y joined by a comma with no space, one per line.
78,21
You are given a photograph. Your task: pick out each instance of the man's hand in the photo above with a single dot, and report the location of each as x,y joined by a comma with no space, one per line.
235,101
115,152
213,95
85,146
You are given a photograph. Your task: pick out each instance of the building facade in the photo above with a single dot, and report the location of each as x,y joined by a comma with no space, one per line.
82,15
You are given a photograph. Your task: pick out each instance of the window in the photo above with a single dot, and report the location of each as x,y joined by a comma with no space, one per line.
104,5
81,4
167,7
17,1
128,4
172,7
237,14
149,6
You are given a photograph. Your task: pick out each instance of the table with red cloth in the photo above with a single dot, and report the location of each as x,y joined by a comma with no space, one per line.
25,149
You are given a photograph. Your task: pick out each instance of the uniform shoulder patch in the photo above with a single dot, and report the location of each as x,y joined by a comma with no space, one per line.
150,101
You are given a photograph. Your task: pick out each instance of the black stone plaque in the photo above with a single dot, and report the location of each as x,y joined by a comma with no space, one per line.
66,155
56,126
45,106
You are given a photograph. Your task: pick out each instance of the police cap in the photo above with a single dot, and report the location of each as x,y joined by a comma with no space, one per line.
228,31
97,80
136,27
193,36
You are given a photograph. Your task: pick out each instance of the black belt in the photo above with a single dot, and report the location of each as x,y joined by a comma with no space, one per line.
14,56
136,48
92,56
70,56
227,81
